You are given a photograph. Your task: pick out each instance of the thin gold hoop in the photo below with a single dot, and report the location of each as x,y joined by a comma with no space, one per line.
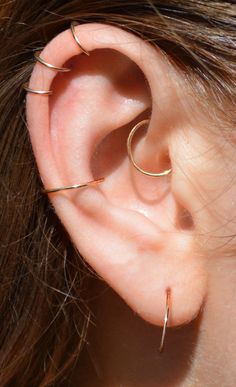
41,92
129,142
72,27
75,186
49,65
166,318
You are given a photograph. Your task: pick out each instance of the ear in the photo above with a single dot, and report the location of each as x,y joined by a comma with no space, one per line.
131,227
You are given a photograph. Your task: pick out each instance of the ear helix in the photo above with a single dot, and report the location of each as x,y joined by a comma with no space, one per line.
50,92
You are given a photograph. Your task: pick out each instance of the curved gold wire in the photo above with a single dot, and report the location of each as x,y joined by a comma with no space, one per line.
41,92
72,27
82,185
49,65
129,142
166,318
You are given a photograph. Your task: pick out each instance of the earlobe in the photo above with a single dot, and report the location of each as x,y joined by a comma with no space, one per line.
126,226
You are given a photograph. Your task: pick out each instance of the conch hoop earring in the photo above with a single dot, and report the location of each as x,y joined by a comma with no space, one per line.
75,186
166,318
41,92
129,142
49,65
72,27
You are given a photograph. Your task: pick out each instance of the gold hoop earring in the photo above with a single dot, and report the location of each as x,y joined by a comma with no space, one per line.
49,65
166,318
72,27
129,142
75,186
41,92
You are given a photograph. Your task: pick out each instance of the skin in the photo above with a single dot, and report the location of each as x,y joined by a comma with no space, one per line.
141,234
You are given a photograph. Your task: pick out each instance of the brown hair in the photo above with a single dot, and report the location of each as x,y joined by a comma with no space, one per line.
44,281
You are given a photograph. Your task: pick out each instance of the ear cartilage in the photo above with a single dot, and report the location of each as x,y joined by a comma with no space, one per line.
129,142
41,92
166,318
75,186
72,27
49,65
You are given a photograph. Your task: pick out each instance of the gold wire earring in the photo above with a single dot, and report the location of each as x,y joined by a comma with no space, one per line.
75,186
166,318
129,142
72,27
33,91
49,65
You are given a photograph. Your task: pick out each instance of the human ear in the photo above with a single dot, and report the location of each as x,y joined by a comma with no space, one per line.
131,227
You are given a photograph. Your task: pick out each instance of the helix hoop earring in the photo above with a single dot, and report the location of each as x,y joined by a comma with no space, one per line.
49,65
72,27
129,149
41,92
75,186
166,318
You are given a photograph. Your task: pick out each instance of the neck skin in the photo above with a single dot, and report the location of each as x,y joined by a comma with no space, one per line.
124,352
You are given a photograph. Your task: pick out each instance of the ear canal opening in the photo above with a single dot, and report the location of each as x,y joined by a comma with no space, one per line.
184,220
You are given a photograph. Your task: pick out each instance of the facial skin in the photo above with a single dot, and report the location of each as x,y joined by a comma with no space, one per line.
141,234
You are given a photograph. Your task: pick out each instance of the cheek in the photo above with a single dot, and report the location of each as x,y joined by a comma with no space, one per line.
203,181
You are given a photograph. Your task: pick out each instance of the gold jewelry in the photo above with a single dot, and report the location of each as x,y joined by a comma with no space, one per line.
129,141
72,27
49,65
166,318
82,185
41,92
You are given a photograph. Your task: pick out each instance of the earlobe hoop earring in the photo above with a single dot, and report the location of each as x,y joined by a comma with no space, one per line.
75,186
49,65
72,27
129,142
166,318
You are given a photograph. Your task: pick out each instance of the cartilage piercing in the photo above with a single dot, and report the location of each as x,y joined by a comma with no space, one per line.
41,92
49,65
72,27
75,186
129,142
